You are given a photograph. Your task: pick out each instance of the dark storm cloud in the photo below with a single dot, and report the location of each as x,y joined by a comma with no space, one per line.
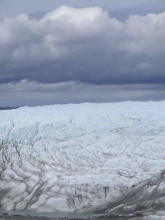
32,93
84,45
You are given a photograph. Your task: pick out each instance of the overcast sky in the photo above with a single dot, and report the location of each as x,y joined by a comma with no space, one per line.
70,51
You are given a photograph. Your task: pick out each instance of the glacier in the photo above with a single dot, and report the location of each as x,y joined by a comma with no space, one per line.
87,158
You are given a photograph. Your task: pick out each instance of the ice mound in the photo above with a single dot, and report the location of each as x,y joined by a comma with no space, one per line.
106,158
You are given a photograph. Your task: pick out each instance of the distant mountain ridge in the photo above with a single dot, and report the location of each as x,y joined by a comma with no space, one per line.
8,108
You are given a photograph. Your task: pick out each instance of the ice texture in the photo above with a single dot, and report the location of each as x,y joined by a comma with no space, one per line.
106,158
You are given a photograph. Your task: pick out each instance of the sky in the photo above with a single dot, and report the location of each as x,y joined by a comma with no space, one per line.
69,51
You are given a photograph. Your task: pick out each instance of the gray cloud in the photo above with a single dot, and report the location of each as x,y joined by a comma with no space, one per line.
32,93
81,55
142,8
84,45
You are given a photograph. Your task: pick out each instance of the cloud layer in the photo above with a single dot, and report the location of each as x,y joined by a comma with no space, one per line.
32,93
81,55
84,45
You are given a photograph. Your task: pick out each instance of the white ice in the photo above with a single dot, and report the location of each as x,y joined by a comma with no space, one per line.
79,157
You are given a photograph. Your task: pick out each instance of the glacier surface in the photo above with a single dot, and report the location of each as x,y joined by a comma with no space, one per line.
105,158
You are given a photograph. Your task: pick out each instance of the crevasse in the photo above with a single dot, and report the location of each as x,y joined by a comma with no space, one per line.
106,158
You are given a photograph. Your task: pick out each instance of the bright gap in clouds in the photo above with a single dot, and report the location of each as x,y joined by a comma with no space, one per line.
84,52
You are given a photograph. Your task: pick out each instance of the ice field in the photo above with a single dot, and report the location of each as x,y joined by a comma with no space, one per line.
98,158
